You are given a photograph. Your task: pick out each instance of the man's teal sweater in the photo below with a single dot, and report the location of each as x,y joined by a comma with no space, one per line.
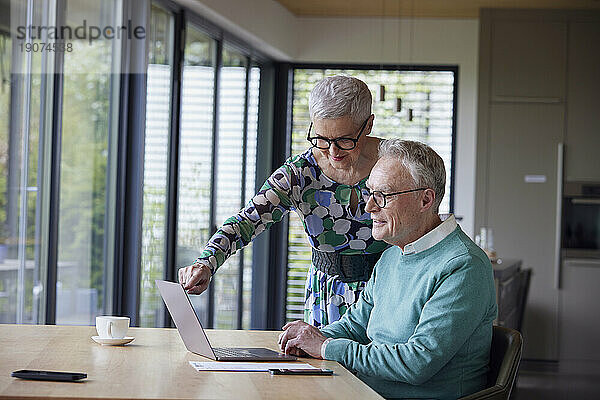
422,327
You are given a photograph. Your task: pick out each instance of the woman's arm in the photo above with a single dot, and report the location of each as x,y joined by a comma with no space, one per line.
267,207
274,199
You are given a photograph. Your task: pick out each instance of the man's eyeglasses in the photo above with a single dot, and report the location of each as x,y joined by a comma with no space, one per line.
380,198
341,143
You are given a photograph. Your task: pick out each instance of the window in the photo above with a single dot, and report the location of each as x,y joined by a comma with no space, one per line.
9,281
54,155
88,83
237,119
20,92
70,165
250,174
430,93
195,168
216,147
158,130
230,196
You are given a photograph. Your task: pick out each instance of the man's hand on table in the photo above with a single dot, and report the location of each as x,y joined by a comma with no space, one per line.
299,337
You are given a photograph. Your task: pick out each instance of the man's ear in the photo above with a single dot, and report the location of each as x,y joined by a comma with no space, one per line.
369,126
427,199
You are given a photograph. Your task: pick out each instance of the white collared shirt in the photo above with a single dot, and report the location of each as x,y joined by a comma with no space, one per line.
432,237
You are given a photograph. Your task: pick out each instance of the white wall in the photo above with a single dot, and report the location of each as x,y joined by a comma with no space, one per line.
271,28
265,24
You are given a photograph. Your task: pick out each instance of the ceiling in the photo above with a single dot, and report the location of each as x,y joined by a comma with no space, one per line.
420,8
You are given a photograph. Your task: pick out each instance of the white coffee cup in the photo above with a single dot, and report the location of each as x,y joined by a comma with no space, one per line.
112,327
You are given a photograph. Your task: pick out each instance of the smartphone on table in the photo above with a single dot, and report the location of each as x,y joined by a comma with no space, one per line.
49,375
300,371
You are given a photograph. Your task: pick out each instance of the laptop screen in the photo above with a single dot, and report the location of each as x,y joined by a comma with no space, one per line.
185,318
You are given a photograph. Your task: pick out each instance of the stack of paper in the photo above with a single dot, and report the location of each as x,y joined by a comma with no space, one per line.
246,366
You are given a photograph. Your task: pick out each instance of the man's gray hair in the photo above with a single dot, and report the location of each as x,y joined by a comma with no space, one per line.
339,96
425,166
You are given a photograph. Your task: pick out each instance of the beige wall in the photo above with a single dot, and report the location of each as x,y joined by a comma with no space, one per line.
271,28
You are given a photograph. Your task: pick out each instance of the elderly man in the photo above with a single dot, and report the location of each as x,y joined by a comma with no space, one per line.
422,327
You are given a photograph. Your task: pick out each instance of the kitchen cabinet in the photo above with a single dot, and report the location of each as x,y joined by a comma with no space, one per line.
579,310
524,141
538,127
528,60
582,161
521,128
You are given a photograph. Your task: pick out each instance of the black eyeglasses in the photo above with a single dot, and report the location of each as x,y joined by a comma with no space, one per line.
380,198
341,143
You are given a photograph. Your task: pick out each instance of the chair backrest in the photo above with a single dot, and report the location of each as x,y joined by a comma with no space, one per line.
525,275
505,356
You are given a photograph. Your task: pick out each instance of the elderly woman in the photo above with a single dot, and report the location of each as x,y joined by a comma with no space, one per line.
323,186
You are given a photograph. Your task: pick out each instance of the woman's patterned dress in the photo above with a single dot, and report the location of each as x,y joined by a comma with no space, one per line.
331,226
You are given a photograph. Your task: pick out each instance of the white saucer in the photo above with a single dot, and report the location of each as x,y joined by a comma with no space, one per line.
111,341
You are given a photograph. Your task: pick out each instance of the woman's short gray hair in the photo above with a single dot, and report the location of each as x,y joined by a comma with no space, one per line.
338,96
425,166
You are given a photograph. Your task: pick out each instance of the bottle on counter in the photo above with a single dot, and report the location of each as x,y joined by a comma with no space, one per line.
485,240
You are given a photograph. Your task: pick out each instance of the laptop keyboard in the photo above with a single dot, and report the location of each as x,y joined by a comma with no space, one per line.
224,352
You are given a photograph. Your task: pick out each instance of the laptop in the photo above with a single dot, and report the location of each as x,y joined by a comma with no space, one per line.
194,337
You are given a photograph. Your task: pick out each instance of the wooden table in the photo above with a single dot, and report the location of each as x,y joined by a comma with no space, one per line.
155,365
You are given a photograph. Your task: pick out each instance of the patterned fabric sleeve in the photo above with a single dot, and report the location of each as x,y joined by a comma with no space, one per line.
278,195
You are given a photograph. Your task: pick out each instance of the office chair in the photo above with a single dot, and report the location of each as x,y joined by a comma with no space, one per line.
505,356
